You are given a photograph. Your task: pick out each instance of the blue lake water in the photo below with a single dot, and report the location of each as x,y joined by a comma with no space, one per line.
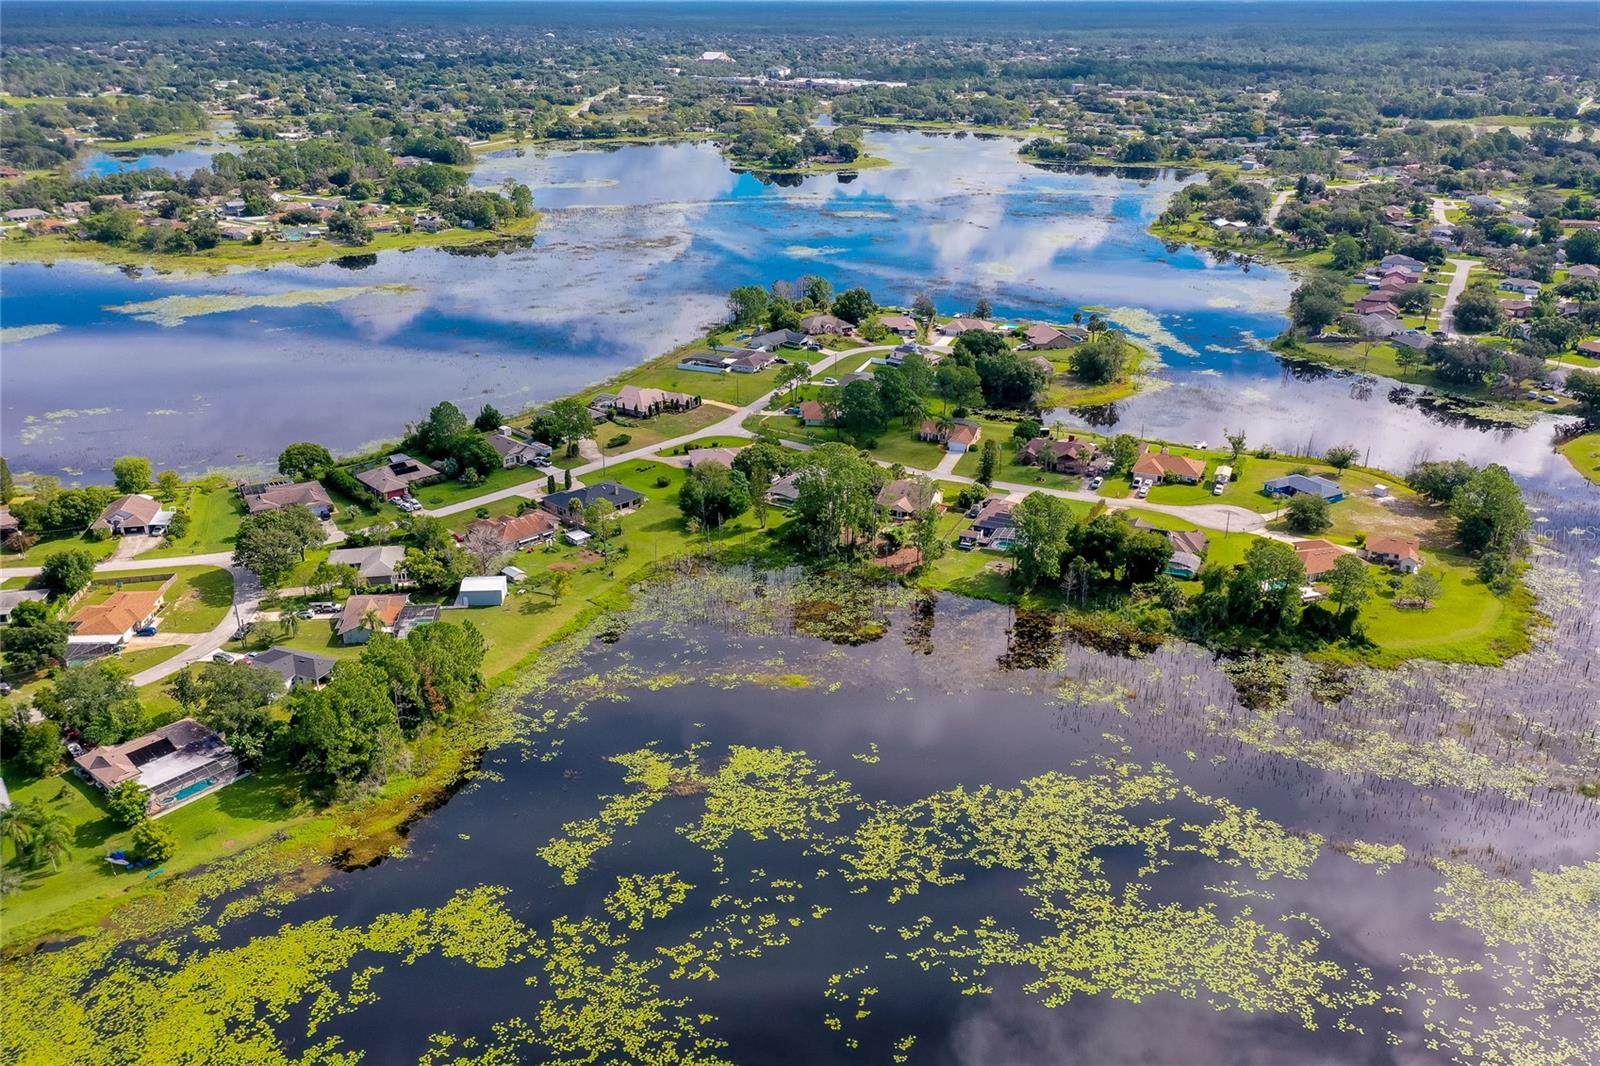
637,250
181,161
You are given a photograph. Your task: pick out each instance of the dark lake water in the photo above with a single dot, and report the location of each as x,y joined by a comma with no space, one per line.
637,250
962,695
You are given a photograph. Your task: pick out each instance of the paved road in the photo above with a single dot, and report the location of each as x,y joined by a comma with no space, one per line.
222,559
1458,284
246,599
1439,207
1277,207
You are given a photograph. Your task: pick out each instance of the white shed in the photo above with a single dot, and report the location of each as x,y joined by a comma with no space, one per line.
576,536
482,591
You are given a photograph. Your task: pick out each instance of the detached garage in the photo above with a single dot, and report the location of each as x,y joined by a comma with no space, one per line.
482,591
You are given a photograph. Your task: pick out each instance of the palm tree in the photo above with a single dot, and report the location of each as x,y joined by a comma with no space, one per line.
51,838
15,823
291,624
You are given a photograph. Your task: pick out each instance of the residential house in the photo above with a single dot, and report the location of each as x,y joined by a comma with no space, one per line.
1589,348
1583,272
1401,262
1318,557
378,564
1188,540
1517,309
825,325
725,456
394,477
9,598
704,363
515,451
636,402
570,504
1526,286
1184,564
1483,201
178,763
363,612
117,618
1070,456
1397,553
812,413
295,667
750,361
957,326
1310,484
1373,325
272,496
907,497
778,338
785,491
1377,303
994,527
482,591
902,325
957,436
1412,338
1164,466
137,515
26,214
1041,337
515,532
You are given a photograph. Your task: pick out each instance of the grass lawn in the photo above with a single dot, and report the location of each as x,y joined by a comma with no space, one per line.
444,493
643,433
244,813
1584,454
143,659
214,515
36,555
730,388
196,602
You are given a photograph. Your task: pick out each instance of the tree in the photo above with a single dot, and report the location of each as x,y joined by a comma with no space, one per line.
153,843
791,376
38,747
169,486
1318,302
489,419
568,421
860,414
8,485
234,699
129,803
1042,523
957,386
273,543
1347,253
484,547
983,308
1350,581
1584,386
835,493
816,291
34,639
1478,309
988,461
1439,480
1424,586
1264,591
1584,247
895,394
132,473
1340,456
855,306
436,433
557,582
1124,452
1100,359
97,700
185,689
925,535
923,308
748,305
1145,554
1307,513
338,733
38,833
66,572
433,558
304,460
1490,514
713,493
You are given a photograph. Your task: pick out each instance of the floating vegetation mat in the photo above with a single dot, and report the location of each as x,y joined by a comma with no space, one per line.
176,310
939,831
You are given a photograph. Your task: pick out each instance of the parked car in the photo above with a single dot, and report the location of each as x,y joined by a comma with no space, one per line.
147,631
306,614
1144,489
1548,398
324,607
243,631
225,657
830,381
1096,481
1216,490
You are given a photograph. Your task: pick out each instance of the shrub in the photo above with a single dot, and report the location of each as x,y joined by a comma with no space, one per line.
1308,514
154,842
129,803
619,440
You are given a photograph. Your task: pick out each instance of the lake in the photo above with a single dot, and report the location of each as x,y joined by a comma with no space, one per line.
638,247
970,839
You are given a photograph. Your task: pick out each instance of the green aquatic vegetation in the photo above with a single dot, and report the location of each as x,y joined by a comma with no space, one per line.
1266,847
1379,856
766,792
641,896
172,311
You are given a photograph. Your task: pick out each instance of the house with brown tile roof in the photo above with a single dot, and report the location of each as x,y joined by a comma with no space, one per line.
812,414
353,626
825,325
636,402
725,456
517,531
115,619
1318,557
394,477
907,497
957,326
1160,466
904,325
134,515
1398,553
177,763
308,494
1070,456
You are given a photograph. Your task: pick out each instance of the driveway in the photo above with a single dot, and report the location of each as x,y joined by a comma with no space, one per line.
1458,285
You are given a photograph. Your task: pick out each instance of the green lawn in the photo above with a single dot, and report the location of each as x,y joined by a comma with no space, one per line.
214,515
244,813
731,388
644,432
36,555
135,661
1583,453
445,493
